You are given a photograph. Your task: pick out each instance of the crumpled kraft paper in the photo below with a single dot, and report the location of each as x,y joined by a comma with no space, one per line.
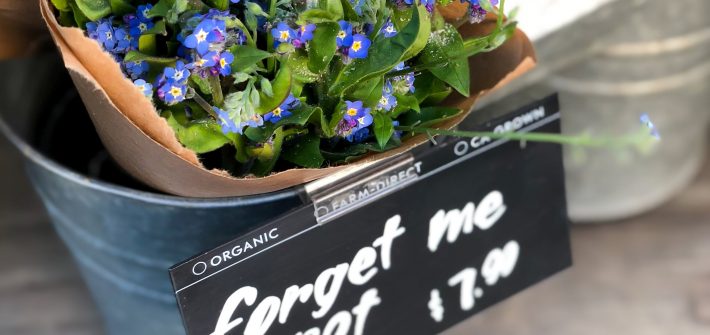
145,146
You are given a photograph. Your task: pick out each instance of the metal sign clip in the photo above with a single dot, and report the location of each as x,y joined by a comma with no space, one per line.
353,188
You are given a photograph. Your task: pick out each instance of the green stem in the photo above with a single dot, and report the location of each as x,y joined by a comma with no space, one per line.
204,104
216,87
583,140
270,63
501,12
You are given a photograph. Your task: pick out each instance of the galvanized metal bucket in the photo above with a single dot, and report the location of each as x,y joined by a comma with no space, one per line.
656,62
124,239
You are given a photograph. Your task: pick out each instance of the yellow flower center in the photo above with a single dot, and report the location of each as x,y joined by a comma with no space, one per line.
201,62
357,45
352,111
175,91
222,62
285,35
201,36
277,111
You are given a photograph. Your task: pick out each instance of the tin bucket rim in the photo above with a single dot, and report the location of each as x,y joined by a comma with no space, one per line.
145,196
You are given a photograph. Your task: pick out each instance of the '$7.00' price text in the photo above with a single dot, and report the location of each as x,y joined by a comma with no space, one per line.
499,263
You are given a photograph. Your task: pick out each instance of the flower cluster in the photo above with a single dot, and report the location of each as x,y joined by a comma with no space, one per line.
119,39
646,122
173,84
284,110
283,33
356,120
476,12
351,45
260,77
428,4
388,29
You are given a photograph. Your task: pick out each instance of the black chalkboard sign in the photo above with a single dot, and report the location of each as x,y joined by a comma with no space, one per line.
410,247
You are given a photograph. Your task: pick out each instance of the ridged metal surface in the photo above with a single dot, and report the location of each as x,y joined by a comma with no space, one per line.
124,240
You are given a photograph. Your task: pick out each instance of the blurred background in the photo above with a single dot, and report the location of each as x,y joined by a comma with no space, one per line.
641,233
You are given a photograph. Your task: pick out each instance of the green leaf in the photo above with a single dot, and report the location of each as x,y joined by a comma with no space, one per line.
429,116
238,141
442,49
121,7
79,16
299,67
334,7
369,91
348,12
352,151
161,8
383,129
146,45
200,136
158,29
219,4
251,21
430,89
285,48
266,87
240,77
134,56
335,118
246,56
202,84
355,151
322,47
298,117
61,5
256,9
318,117
405,103
501,36
384,53
263,168
405,18
179,7
304,151
66,18
316,15
281,86
94,9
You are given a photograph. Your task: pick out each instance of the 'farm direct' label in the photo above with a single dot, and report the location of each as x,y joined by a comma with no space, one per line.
414,249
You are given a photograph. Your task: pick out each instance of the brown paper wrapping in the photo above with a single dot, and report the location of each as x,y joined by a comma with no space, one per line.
145,146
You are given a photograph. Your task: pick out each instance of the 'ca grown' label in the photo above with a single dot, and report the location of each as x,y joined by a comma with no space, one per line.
413,247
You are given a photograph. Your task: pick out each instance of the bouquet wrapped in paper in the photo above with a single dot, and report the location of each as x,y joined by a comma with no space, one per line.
219,98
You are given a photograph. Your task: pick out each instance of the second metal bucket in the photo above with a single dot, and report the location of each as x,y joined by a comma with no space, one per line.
123,239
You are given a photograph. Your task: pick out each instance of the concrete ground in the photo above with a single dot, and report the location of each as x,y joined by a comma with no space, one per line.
643,276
